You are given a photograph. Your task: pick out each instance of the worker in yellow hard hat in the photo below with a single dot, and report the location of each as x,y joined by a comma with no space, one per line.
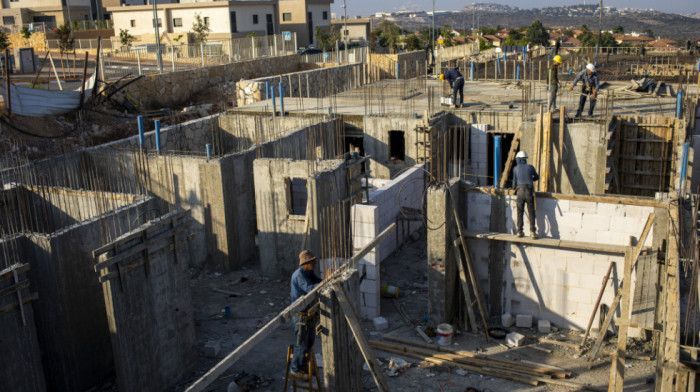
442,76
553,80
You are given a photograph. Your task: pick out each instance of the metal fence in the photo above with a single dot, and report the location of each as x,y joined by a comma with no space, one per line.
350,56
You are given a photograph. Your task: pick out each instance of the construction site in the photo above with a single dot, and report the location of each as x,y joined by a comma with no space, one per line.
148,235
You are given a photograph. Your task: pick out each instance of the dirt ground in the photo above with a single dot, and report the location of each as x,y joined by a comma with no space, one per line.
263,368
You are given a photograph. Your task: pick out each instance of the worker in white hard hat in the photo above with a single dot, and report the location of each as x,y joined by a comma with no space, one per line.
590,87
524,177
554,82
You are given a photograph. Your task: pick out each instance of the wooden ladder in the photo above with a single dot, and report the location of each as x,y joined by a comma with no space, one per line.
303,385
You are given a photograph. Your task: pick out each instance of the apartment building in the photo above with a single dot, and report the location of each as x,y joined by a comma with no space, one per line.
358,29
303,16
50,12
226,19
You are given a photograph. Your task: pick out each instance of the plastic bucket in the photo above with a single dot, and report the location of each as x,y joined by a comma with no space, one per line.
444,332
389,291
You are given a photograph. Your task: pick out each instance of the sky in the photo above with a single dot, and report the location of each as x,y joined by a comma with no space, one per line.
369,7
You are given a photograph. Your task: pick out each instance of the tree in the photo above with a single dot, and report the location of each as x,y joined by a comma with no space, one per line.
607,40
588,39
200,29
567,33
618,30
389,35
426,36
484,44
326,38
4,41
447,35
25,32
536,34
488,30
584,27
413,42
65,39
125,38
649,32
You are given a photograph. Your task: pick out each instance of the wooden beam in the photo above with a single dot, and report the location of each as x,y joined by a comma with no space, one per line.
284,316
549,242
511,157
465,287
560,156
361,339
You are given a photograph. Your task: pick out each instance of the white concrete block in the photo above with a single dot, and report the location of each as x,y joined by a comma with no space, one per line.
369,286
570,219
369,312
364,229
579,294
523,321
583,206
380,323
596,222
579,266
544,326
514,339
507,320
363,213
212,348
586,235
367,299
612,210
371,270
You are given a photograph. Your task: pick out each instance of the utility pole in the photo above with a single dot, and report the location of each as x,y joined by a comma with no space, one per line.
600,27
345,29
155,23
432,34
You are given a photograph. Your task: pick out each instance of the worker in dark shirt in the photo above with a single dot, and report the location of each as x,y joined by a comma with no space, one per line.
524,176
303,281
590,87
456,80
553,79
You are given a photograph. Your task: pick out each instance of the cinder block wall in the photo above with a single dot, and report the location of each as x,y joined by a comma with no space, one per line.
479,165
369,220
550,283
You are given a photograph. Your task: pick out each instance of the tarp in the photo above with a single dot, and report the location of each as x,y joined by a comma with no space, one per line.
33,102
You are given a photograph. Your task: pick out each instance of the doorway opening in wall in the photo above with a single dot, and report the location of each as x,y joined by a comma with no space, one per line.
397,146
297,195
506,141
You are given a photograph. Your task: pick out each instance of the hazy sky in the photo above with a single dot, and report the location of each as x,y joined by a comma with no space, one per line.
368,7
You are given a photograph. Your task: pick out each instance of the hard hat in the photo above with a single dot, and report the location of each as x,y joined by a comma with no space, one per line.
590,67
557,59
521,154
442,76
306,256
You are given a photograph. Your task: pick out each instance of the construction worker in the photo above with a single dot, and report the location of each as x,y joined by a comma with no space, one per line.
591,85
456,80
554,82
524,176
303,281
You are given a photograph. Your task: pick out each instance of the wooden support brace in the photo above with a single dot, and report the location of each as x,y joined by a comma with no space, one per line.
465,287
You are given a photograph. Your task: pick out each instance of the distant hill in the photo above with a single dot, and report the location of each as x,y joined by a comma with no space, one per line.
671,26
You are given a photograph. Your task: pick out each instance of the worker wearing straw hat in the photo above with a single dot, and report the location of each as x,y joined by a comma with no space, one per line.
304,279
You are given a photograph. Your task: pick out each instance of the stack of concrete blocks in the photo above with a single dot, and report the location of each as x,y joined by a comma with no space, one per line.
479,155
315,83
478,221
369,220
562,285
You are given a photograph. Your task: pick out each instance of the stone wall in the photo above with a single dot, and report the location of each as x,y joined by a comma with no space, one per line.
369,220
314,83
176,88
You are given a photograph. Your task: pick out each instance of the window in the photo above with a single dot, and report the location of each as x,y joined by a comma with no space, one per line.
177,22
8,20
133,23
160,22
287,16
325,15
234,25
397,145
345,32
270,24
297,195
255,19
206,20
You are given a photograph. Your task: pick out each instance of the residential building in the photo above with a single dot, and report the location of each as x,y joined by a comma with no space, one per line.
303,16
226,19
358,29
50,12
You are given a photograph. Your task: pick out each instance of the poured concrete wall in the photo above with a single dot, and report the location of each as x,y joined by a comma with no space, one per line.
70,313
281,233
368,220
20,362
547,283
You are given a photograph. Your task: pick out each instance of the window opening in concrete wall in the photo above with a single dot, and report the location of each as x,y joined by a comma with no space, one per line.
310,25
8,20
255,19
287,16
270,24
325,15
397,145
297,195
506,141
234,24
177,22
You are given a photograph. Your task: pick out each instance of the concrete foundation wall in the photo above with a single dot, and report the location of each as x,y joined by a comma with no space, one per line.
368,220
70,313
176,88
376,143
315,83
20,362
281,233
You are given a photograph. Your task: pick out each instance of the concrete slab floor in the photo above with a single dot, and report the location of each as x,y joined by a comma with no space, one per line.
263,298
386,98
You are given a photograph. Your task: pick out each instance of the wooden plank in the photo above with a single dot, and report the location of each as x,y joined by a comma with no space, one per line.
361,339
642,201
14,288
670,346
644,300
549,242
210,376
7,273
25,300
560,156
511,157
617,368
465,287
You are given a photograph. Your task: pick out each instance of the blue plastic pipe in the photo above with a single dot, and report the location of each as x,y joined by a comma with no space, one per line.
498,66
471,74
397,71
679,104
684,167
157,136
141,137
208,146
517,76
272,94
281,99
267,90
496,160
